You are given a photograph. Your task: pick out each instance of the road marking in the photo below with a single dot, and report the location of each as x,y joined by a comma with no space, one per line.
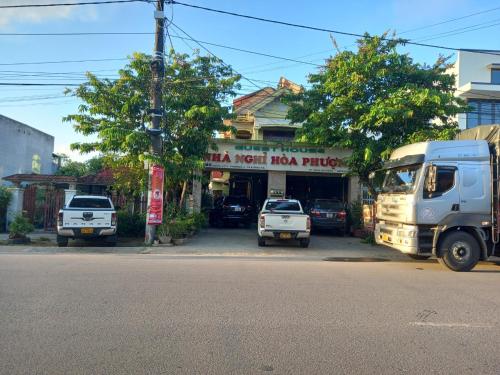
451,325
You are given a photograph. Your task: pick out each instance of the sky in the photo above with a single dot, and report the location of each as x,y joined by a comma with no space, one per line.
44,107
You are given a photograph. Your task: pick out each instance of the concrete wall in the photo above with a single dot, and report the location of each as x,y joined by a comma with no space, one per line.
473,67
19,143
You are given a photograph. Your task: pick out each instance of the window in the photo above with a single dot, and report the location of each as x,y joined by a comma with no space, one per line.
89,203
278,135
495,76
36,164
484,112
282,206
445,180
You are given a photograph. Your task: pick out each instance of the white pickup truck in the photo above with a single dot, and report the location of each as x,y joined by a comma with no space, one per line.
283,219
87,217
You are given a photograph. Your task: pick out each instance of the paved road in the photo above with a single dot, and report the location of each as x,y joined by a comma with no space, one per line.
160,314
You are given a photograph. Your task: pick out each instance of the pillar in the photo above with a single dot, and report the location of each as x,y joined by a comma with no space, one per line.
196,193
354,193
16,203
276,184
68,194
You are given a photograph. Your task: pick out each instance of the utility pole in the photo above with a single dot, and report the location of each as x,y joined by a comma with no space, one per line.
157,76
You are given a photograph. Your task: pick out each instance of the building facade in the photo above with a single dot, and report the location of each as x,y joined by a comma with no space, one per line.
477,75
261,158
24,149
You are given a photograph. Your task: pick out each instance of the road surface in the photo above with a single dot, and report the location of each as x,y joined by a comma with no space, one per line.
160,314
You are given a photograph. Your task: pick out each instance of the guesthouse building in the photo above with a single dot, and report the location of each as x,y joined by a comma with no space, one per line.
262,159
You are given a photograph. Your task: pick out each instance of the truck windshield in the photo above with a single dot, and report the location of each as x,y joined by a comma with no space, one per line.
401,179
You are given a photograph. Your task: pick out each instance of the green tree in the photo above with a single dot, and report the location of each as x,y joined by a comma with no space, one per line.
117,112
71,168
375,100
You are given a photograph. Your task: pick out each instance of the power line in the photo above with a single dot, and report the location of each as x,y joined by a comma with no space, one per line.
449,20
332,31
103,2
61,61
173,36
207,50
462,30
83,33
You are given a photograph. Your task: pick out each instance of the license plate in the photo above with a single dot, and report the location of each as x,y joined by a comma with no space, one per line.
237,209
385,237
87,230
329,216
285,236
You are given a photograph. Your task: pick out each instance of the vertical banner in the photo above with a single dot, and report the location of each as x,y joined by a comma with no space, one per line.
155,198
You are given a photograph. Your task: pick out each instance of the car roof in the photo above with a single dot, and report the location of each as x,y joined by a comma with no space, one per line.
282,200
90,197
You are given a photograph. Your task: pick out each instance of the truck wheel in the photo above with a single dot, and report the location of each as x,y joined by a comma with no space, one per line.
62,241
304,242
418,257
459,251
261,241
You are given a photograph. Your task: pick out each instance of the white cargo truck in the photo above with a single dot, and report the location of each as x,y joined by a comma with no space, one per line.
441,198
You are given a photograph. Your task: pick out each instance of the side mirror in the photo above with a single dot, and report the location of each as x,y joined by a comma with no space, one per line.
430,182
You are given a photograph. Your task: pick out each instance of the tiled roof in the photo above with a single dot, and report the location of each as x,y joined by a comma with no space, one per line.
39,178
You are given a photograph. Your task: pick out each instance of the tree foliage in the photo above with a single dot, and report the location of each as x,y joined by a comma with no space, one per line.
117,112
78,169
374,100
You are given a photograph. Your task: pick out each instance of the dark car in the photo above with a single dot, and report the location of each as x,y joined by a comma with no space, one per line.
328,214
232,210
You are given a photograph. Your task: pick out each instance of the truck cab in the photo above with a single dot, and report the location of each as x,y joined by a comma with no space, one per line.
436,200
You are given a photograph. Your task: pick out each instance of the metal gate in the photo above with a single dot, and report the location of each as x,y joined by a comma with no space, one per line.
54,201
29,202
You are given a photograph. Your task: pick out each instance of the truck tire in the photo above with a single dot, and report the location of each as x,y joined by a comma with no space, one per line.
261,241
62,241
418,257
304,242
459,251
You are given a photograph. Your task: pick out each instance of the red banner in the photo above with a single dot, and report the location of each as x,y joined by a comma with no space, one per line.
155,198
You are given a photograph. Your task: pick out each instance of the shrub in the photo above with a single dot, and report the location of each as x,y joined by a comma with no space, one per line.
130,225
178,228
356,215
5,197
20,227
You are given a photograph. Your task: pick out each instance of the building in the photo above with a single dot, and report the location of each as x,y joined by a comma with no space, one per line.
24,149
261,159
477,75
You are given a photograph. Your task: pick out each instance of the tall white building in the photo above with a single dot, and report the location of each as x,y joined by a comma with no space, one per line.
478,82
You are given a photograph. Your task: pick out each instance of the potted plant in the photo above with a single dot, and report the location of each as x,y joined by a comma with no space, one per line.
19,230
164,234
178,231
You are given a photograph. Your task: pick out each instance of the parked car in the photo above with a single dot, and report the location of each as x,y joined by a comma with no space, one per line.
328,214
283,219
232,210
87,217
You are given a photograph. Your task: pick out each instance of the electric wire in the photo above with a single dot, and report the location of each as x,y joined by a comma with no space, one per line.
49,5
332,31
